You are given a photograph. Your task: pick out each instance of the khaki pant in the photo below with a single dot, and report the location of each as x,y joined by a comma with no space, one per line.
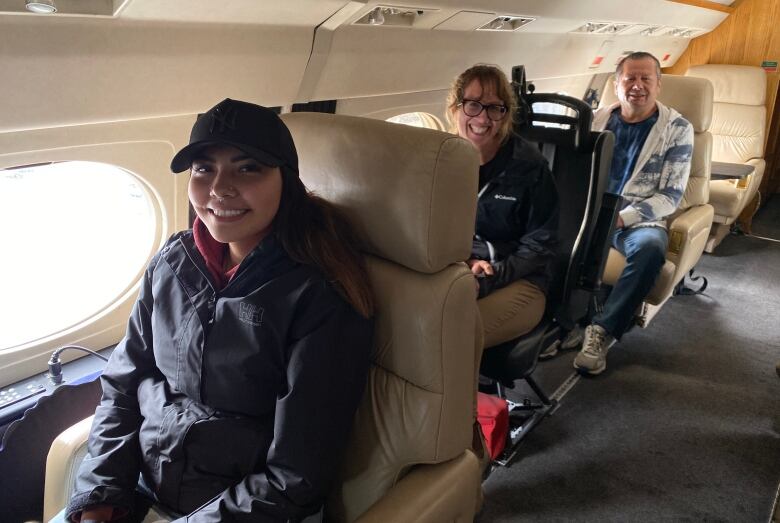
511,311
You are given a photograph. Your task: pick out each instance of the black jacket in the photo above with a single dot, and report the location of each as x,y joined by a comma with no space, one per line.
233,405
517,217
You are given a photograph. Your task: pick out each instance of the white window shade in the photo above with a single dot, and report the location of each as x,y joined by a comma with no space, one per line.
76,236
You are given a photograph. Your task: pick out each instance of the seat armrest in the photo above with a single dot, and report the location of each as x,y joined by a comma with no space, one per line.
688,234
65,455
431,494
759,165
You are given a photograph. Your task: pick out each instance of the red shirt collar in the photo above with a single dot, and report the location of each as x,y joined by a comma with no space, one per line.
213,253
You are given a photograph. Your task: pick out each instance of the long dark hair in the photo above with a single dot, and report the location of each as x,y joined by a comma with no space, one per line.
315,232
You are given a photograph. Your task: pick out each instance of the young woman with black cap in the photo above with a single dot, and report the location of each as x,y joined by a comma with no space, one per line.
246,354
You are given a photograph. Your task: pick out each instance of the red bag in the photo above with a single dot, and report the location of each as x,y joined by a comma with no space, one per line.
493,417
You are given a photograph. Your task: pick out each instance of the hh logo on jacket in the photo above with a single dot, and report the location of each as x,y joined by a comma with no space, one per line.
250,313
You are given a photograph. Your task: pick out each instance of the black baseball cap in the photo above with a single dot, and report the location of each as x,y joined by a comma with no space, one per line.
256,130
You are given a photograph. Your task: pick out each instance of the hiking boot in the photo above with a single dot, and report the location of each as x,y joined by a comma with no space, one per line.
595,345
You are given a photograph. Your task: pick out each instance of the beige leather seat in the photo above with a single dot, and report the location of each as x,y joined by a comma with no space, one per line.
689,226
738,131
412,194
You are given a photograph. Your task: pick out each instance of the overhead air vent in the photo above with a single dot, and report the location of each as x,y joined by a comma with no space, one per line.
506,23
685,32
393,16
602,28
652,30
615,28
644,30
591,27
664,30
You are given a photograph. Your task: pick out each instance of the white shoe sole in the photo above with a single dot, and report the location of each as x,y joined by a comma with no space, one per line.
551,352
574,338
593,372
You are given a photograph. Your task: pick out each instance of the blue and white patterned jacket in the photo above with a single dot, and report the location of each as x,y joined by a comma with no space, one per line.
661,172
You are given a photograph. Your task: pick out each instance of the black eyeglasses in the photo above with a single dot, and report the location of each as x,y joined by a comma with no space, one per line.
474,108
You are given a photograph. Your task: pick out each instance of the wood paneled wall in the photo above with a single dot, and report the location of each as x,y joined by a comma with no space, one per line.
750,35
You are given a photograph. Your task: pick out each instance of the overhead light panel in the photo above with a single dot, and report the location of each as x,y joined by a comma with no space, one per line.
392,16
41,7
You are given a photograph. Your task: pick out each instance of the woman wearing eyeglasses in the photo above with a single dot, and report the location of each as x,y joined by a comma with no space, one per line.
517,209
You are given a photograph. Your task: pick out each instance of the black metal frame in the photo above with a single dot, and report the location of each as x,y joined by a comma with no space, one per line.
580,268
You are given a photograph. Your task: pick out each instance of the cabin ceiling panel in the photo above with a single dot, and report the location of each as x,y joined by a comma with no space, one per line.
569,13
360,64
560,15
85,71
265,12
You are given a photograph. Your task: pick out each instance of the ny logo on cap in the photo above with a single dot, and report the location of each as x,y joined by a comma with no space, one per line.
223,116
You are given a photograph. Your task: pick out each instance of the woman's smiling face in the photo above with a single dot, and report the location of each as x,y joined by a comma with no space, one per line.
234,195
480,130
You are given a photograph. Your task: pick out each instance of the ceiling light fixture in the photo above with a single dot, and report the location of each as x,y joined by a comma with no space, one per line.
41,7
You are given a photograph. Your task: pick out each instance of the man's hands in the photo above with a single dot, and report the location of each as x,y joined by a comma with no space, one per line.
619,223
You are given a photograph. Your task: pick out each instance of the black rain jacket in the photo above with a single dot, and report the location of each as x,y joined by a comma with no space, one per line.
233,405
517,217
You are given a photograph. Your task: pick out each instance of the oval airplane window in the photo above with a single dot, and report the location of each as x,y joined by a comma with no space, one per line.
425,120
76,236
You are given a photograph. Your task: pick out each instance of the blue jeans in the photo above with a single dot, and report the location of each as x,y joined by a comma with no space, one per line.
645,252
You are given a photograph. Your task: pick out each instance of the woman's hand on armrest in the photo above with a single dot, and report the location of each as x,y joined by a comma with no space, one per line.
480,267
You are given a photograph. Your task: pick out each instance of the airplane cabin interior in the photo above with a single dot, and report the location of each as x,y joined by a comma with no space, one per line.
684,425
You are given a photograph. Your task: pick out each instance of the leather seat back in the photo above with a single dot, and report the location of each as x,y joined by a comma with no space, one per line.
412,195
739,110
738,127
